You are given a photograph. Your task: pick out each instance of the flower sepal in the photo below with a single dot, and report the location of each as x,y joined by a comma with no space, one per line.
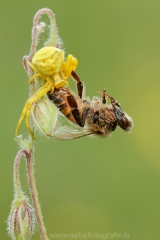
45,115
21,219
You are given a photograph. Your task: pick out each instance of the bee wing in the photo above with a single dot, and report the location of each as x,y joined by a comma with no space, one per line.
68,133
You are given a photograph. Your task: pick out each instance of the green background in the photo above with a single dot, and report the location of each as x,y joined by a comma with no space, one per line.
90,184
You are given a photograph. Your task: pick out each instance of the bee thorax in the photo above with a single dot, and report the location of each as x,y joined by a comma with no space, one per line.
104,123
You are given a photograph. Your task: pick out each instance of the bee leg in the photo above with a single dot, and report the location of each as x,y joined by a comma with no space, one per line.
112,100
80,119
79,83
104,96
96,112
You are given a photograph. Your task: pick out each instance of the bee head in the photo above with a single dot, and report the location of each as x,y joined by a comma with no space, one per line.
123,120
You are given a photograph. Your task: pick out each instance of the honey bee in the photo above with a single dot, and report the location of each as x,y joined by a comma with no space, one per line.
94,117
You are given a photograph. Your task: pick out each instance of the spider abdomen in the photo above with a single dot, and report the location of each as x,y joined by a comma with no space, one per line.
48,60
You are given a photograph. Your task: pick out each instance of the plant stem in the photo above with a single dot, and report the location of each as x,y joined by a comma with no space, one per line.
34,195
31,180
53,40
17,184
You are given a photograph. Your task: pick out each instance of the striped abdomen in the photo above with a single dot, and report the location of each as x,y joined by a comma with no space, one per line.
65,102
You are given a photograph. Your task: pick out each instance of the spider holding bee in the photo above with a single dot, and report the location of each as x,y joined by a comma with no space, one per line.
95,116
49,65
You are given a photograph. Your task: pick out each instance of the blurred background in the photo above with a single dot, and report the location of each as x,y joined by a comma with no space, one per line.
90,184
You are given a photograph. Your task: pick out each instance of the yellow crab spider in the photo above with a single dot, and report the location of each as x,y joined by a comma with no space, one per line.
48,64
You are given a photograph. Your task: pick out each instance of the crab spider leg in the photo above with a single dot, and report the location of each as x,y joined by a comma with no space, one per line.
67,84
72,66
46,78
33,77
33,67
65,65
38,74
40,92
29,106
69,66
55,80
35,96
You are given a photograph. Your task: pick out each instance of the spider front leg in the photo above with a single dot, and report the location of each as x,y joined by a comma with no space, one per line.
33,77
27,108
69,66
38,74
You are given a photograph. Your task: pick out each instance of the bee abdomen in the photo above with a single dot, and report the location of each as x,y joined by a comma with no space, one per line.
61,100
57,101
66,111
64,108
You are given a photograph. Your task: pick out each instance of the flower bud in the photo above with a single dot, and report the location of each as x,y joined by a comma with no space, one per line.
21,220
45,115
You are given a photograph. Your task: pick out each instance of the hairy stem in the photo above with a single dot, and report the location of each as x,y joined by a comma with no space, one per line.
31,180
34,195
37,29
55,41
54,38
17,185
